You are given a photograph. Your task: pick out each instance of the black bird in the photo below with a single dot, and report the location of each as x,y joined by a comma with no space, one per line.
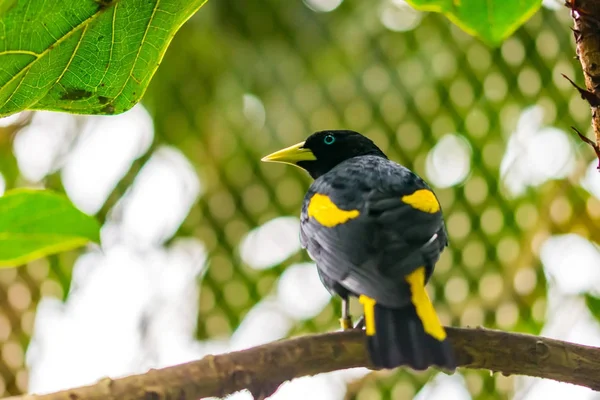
375,230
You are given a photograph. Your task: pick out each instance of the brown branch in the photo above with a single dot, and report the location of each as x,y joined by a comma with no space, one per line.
262,369
586,17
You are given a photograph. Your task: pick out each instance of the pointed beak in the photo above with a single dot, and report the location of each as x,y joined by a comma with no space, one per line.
291,155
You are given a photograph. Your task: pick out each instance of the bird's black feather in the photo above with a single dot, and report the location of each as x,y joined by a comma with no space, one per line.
371,254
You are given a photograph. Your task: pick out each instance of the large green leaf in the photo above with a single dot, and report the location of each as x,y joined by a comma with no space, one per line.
491,20
36,223
83,56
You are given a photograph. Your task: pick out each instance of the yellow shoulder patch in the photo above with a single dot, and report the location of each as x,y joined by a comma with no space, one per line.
369,312
422,200
325,212
422,303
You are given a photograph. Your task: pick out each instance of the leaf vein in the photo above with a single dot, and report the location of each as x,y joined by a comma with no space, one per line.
10,52
112,43
137,56
26,68
72,55
14,91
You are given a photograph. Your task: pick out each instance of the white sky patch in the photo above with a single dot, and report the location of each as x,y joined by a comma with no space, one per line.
591,180
253,330
254,111
272,243
300,291
171,330
323,5
12,119
449,162
544,389
2,184
126,311
320,387
572,263
398,16
158,201
241,395
41,146
553,4
327,386
104,152
444,387
535,154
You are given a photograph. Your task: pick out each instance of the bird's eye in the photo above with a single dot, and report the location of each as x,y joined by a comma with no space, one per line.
329,139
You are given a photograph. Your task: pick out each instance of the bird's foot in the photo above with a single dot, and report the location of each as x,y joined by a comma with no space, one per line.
346,323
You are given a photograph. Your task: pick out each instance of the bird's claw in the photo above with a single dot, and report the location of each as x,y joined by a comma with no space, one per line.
346,323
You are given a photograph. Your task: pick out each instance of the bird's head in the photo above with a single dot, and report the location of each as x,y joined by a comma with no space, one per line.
323,150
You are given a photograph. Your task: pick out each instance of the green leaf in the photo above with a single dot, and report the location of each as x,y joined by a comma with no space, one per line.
593,304
37,223
490,20
83,56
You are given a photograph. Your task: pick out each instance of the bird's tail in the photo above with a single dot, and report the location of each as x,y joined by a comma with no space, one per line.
411,336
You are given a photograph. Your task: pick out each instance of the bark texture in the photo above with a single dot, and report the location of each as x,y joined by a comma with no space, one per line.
586,17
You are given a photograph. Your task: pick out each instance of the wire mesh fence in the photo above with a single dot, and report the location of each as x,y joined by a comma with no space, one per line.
488,128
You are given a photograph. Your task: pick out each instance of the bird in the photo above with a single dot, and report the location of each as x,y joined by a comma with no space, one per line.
375,230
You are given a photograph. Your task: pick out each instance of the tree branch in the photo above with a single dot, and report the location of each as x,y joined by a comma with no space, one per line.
586,17
262,369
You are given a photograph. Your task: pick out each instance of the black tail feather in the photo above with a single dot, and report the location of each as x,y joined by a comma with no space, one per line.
400,339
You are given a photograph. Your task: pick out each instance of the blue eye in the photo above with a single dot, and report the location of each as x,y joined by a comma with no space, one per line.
329,139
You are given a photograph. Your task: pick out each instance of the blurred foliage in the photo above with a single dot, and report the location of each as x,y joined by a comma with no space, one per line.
492,21
38,223
91,57
243,79
593,304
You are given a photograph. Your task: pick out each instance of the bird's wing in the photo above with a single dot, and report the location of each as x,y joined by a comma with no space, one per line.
369,230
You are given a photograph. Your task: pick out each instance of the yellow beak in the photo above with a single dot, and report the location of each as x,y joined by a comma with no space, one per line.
291,155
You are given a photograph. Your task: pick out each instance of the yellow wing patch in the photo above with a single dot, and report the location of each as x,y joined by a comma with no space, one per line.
369,311
322,209
422,303
423,200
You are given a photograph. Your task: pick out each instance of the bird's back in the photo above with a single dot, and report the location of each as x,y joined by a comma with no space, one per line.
368,223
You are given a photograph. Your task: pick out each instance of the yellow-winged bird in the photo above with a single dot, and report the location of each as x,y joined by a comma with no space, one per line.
375,230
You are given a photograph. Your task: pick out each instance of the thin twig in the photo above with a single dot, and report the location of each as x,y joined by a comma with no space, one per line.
591,143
